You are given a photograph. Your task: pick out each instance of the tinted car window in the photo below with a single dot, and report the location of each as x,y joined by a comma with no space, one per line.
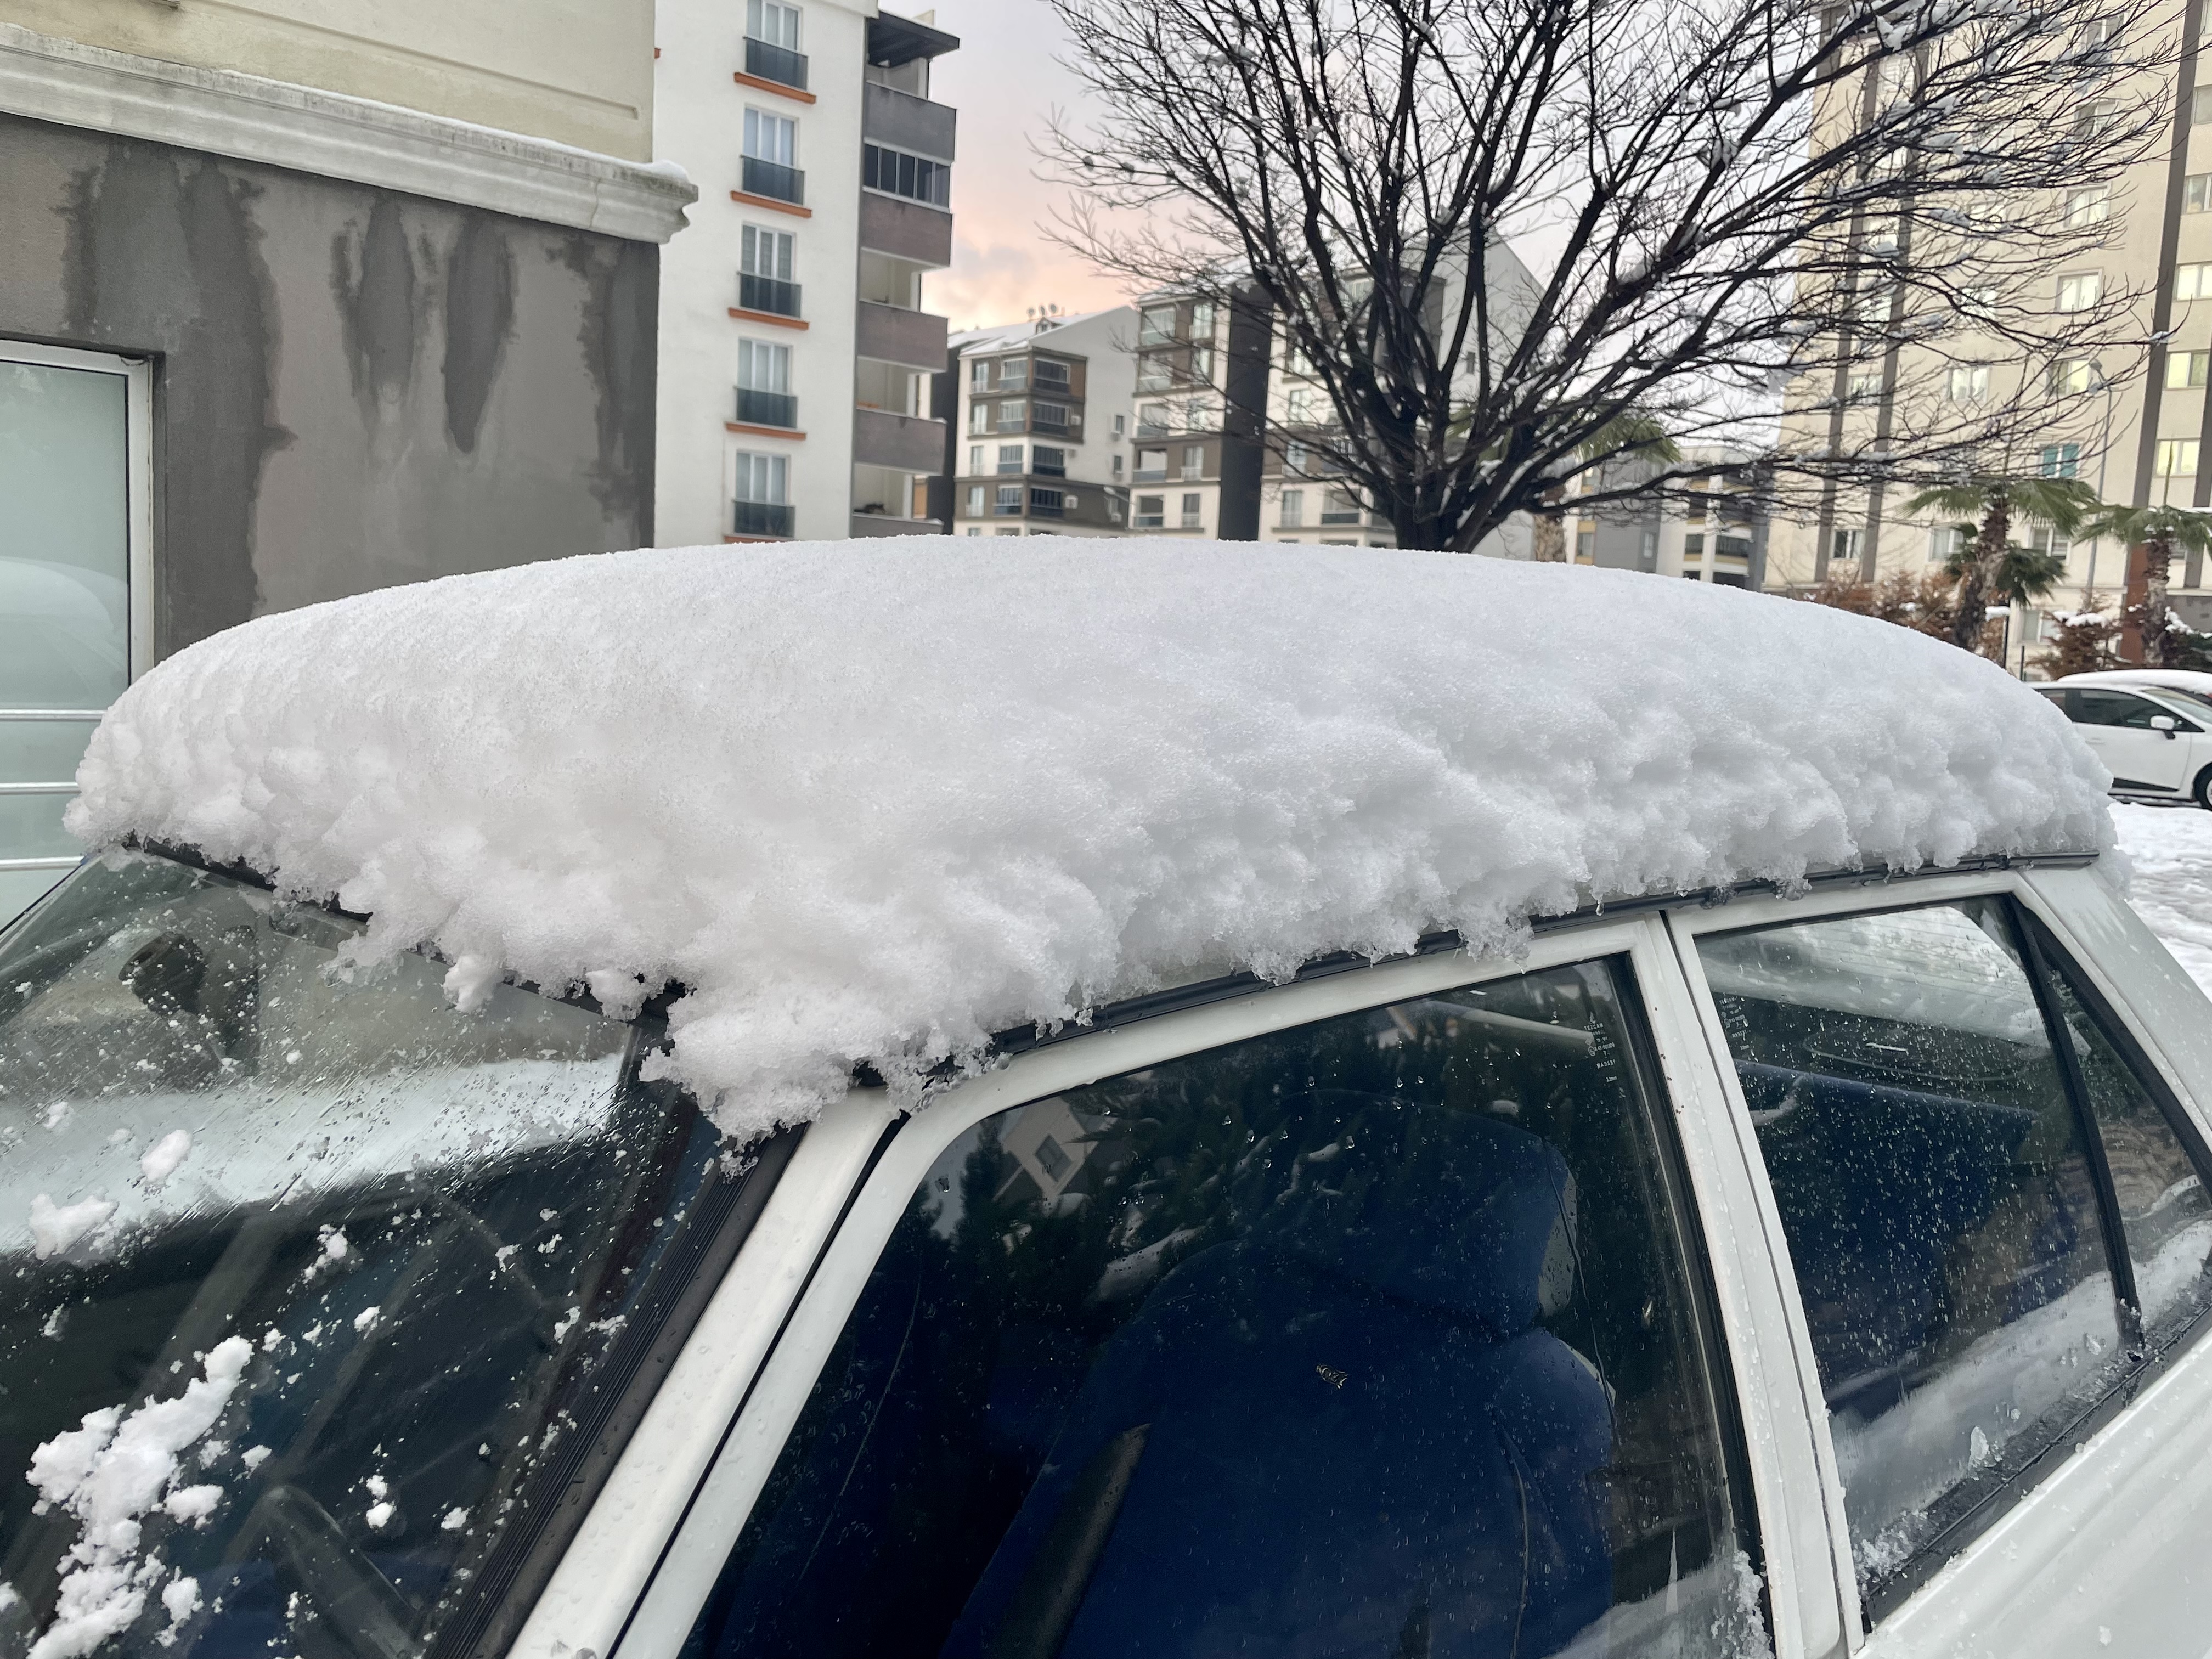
317,1288
2116,709
1937,1195
1374,1337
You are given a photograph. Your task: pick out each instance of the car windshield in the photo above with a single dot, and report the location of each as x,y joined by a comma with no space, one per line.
315,1284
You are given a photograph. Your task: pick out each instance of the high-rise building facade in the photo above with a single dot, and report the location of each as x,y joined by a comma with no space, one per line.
795,354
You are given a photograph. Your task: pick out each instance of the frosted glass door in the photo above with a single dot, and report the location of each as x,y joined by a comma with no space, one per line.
65,536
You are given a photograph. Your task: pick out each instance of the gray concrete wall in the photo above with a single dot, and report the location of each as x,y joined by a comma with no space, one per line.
352,387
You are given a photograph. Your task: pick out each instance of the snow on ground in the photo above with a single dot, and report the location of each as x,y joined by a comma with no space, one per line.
2170,848
874,800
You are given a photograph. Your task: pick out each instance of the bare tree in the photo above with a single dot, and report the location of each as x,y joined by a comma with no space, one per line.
1731,196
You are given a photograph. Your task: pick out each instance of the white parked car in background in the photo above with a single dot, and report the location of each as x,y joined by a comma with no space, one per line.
2152,727
1078,1099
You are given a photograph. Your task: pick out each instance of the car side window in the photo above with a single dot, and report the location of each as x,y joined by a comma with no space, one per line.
2066,705
1379,1336
1938,1177
2116,708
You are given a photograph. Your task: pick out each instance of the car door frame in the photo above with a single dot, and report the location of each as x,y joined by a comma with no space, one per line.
632,1585
2130,737
2125,1468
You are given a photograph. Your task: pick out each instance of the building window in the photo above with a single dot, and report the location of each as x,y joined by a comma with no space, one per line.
1872,308
1013,373
1151,466
979,418
763,494
2081,290
974,529
1052,376
770,158
764,384
1048,462
1194,460
1845,545
1966,383
1117,463
1197,417
77,475
2200,106
1298,407
1294,461
2176,457
1294,361
772,43
1294,509
764,267
1201,320
1194,512
2045,539
2059,460
1010,500
2069,374
1340,506
1048,504
2094,206
1151,512
974,460
1945,543
1012,414
2192,282
976,500
1152,421
2186,368
1053,417
1694,547
1152,373
979,375
1121,429
1010,458
1865,386
917,178
2197,193
1201,365
1156,326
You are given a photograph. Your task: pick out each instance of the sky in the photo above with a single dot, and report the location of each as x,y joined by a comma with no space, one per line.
1006,81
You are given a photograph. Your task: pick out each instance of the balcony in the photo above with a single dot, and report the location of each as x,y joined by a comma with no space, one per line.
1048,504
781,64
1150,475
1055,418
906,122
763,518
778,409
904,443
882,523
906,230
892,334
774,180
770,295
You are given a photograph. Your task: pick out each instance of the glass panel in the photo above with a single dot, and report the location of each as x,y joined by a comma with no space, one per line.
1370,1338
41,752
1929,1169
65,564
2164,1212
381,1268
31,827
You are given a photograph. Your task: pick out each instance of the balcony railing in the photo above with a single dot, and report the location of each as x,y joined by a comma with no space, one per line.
771,295
762,518
1151,475
773,179
767,408
781,64
1339,515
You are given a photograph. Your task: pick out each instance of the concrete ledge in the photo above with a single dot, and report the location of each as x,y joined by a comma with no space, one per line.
336,137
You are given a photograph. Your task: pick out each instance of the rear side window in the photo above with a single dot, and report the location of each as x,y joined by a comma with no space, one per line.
1377,1336
1937,1166
2114,708
321,1296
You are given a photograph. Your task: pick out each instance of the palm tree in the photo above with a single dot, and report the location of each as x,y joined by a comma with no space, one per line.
2161,531
1995,499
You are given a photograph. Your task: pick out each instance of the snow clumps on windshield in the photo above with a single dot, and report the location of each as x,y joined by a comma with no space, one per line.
874,800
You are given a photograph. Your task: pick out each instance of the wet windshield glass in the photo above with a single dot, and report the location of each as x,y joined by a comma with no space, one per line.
308,1282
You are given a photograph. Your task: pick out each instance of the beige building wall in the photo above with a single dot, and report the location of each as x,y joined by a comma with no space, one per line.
2100,439
578,72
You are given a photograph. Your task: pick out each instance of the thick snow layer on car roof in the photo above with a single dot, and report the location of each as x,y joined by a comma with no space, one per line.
873,800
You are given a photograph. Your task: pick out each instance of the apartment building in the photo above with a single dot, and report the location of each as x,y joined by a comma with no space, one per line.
1183,438
297,298
1042,426
1716,531
795,355
2137,424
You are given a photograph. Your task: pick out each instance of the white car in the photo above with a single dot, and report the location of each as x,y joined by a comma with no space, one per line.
1765,1213
2151,727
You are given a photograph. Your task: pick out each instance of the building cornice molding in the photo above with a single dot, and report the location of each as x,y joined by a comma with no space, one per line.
329,134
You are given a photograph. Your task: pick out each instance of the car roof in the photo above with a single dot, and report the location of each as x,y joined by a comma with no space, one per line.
875,801
2177,679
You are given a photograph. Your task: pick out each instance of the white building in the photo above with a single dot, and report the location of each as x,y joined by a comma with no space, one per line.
1043,426
795,356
